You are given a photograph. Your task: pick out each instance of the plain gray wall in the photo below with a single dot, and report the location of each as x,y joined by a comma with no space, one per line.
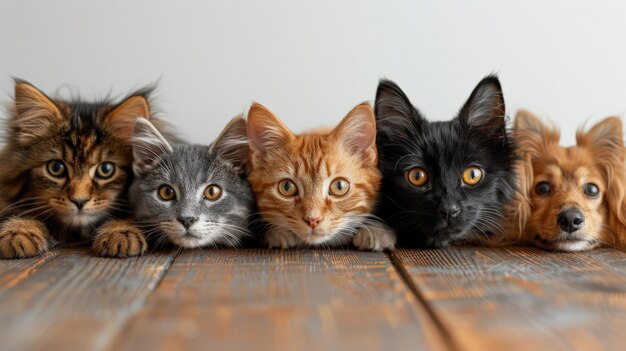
310,62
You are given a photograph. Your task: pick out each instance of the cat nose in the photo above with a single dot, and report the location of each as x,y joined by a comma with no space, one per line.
570,220
187,221
313,222
449,211
79,202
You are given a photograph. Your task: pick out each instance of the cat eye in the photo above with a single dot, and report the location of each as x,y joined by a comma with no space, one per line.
339,187
591,190
105,170
472,175
166,193
57,168
542,188
212,192
287,188
418,176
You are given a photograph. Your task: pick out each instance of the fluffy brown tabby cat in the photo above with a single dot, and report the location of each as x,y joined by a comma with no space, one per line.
317,188
66,170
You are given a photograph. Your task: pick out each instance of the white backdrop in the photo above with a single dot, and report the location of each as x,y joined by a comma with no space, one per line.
312,61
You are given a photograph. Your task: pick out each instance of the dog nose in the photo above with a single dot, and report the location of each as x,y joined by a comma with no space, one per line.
80,202
187,221
313,222
449,211
570,220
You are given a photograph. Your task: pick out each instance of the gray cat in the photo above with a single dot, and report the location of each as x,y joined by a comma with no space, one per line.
192,195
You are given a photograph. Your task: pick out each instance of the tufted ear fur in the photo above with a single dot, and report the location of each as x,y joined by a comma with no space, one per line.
532,136
35,114
232,144
148,146
484,111
122,118
357,133
265,131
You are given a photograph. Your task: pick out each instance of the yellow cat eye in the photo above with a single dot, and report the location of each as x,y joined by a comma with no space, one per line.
166,193
472,175
287,188
213,192
417,176
339,187
105,170
56,168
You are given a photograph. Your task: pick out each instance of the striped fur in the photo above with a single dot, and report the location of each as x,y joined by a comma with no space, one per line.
312,161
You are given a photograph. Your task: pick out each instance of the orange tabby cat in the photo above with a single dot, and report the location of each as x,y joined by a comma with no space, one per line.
317,188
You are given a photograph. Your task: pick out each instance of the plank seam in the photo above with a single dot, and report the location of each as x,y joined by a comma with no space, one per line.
123,324
439,324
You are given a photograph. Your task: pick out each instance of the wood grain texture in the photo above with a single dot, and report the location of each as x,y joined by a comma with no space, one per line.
280,300
522,298
74,301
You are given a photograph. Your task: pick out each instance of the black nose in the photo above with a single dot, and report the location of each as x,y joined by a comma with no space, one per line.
449,211
570,220
80,203
187,221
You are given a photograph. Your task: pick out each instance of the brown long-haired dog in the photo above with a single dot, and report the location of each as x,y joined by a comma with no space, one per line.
570,198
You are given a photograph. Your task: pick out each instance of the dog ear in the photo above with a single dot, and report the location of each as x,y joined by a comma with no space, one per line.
519,210
532,136
605,139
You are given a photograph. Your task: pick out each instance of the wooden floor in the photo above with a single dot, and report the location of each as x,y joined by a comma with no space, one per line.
246,299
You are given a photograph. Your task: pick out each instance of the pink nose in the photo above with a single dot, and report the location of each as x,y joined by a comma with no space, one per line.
313,221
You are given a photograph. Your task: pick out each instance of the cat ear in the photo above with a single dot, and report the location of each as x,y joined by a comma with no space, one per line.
36,115
265,131
394,111
148,146
531,134
357,132
122,118
232,144
484,111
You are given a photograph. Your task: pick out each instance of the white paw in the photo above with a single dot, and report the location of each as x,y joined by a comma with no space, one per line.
280,239
375,238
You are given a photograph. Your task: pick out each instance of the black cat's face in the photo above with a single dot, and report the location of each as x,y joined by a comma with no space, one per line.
444,181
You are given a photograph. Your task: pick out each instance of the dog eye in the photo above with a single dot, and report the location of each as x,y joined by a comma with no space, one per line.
417,176
542,188
591,190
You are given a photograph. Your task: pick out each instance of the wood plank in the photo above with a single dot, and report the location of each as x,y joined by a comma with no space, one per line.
76,301
13,271
280,300
522,298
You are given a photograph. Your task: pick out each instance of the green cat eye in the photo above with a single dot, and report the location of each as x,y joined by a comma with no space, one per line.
105,170
287,188
57,168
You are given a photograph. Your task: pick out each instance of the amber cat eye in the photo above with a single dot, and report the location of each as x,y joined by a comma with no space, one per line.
287,188
57,168
166,193
418,176
339,187
105,170
212,192
472,175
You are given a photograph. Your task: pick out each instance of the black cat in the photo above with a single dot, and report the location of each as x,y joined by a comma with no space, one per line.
444,181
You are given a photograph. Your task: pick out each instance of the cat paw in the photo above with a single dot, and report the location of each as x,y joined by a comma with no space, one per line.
281,240
119,238
23,237
374,238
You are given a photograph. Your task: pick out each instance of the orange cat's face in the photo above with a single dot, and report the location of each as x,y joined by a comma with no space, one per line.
320,185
